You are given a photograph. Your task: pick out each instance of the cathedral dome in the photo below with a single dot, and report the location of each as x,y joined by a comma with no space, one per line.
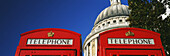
116,9
114,16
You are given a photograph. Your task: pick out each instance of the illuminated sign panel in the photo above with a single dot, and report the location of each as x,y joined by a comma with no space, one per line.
130,41
49,41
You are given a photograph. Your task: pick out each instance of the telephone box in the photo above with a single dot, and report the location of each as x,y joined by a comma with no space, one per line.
49,42
130,42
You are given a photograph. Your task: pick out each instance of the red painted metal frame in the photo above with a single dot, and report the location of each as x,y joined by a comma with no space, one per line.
42,34
120,33
133,52
47,52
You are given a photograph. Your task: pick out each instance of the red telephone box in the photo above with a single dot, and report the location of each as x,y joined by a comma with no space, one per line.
49,42
130,42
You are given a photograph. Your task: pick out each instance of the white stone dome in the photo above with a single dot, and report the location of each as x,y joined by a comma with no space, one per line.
112,11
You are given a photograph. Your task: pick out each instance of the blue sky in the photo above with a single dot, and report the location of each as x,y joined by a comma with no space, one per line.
19,16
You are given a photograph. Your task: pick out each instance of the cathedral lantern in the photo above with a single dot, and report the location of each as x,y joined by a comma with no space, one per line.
49,42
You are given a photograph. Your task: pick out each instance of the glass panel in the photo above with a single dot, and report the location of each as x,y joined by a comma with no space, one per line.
46,55
114,55
133,55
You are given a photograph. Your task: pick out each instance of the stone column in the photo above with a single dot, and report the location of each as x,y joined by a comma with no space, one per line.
96,46
85,50
91,48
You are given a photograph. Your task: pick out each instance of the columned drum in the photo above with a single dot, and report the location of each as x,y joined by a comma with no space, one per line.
49,42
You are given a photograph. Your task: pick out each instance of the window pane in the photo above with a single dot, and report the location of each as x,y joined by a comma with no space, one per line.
46,55
133,55
114,55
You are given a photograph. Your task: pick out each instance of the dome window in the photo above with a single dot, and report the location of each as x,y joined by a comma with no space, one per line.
99,27
88,44
108,22
114,21
120,20
103,24
85,48
126,20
